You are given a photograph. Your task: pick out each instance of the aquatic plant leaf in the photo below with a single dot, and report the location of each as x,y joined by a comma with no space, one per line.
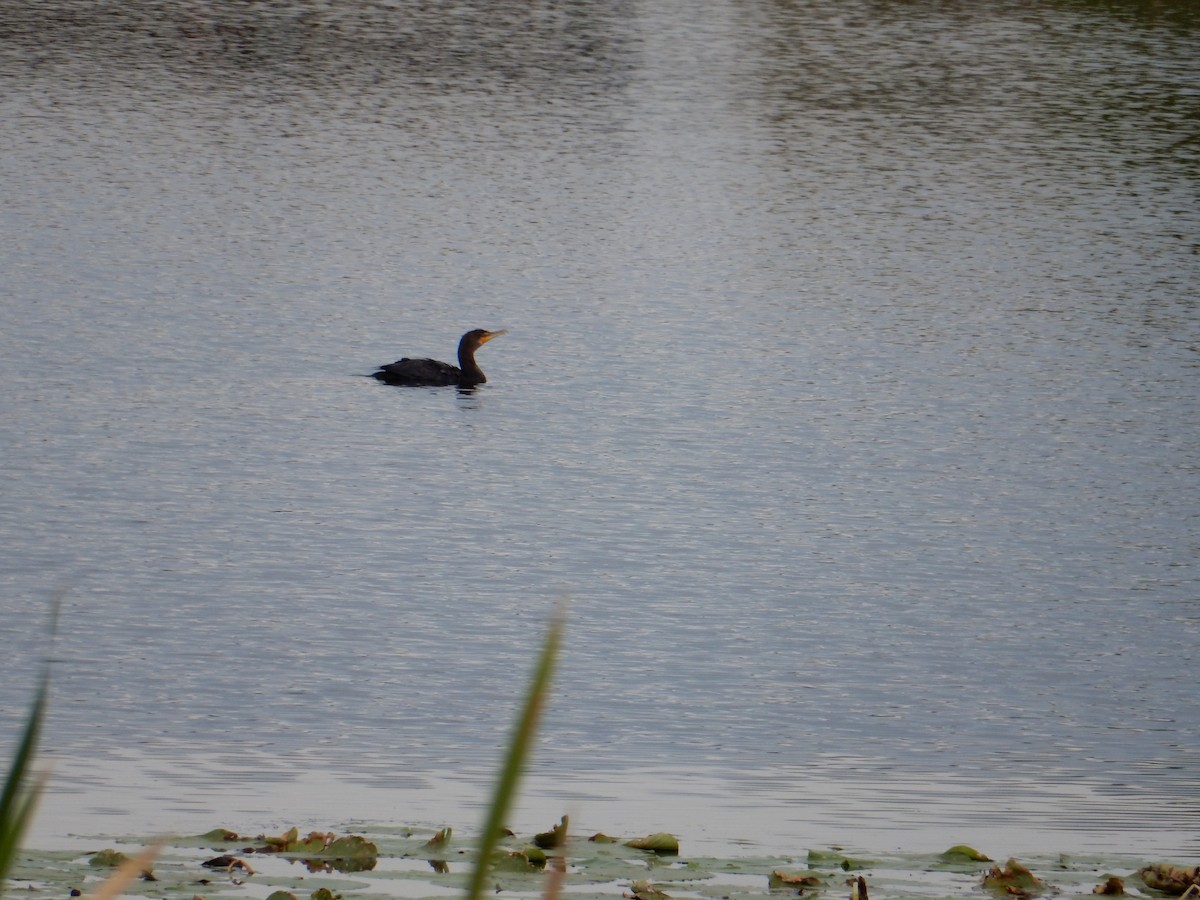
1169,879
644,890
659,842
277,844
126,872
781,878
321,865
313,844
1114,885
555,837
599,838
238,869
442,837
535,854
281,895
832,859
325,894
1014,878
962,852
224,835
108,859
525,859
351,846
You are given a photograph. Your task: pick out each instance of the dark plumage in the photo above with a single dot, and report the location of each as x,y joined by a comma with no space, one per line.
432,372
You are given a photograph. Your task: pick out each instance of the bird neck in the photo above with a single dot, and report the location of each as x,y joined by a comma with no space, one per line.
471,373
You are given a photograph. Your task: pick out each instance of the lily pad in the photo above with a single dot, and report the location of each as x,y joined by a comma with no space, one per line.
781,878
527,859
108,859
351,846
961,852
555,837
832,859
223,835
280,842
659,842
1014,879
644,890
1169,879
1114,885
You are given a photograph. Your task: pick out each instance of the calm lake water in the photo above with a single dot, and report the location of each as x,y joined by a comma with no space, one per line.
850,397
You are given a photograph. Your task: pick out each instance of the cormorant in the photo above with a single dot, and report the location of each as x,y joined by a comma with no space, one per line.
430,372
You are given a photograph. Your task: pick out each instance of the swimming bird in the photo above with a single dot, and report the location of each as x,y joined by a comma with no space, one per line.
432,372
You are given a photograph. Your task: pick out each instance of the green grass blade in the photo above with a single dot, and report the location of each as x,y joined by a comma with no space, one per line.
19,798
518,752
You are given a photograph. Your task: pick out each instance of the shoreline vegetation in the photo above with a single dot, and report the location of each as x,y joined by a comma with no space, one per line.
410,862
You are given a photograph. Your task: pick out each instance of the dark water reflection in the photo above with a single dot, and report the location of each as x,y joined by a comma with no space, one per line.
849,393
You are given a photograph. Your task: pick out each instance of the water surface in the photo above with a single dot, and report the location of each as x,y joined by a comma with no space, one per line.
849,396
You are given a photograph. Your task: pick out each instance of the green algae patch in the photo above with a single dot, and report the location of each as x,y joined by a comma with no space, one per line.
659,842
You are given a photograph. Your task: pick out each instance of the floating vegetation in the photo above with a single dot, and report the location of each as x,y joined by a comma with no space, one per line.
660,842
1170,879
318,851
525,859
108,859
441,838
834,859
555,837
802,880
644,890
1113,885
1013,879
963,853
405,866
